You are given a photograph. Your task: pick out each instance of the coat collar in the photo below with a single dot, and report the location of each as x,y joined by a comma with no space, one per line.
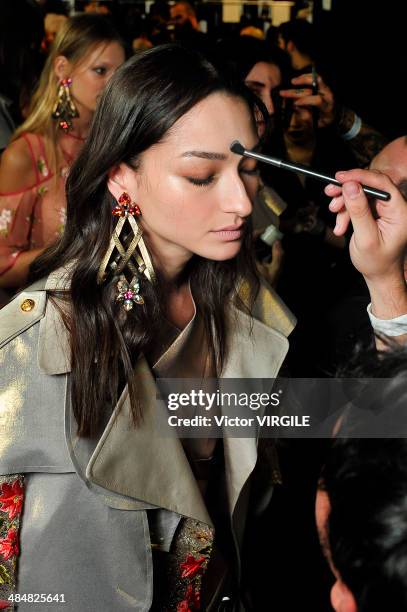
271,324
125,457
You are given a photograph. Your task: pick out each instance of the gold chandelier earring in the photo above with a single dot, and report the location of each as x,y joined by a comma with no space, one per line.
64,109
134,257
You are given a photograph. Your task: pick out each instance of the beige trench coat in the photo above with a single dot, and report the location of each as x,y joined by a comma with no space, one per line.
84,529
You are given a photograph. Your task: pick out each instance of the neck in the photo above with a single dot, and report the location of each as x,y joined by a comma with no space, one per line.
81,124
301,153
300,61
168,259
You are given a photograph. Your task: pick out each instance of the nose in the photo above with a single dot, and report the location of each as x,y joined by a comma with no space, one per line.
235,198
268,103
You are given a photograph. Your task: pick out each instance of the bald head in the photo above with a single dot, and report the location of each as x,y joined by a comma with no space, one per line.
392,160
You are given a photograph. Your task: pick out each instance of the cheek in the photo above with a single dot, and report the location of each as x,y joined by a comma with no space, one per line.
90,86
82,87
172,208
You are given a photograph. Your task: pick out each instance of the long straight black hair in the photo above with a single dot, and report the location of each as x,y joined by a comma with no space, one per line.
143,100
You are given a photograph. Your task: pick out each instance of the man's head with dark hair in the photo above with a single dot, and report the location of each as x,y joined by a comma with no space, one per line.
183,12
300,33
260,66
361,505
297,37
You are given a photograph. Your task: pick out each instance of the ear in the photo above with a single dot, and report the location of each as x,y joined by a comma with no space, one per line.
121,179
62,67
342,599
290,47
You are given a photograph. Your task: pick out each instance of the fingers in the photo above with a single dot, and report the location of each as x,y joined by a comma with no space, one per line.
336,204
305,79
342,222
350,204
310,100
368,177
333,191
277,249
357,205
295,94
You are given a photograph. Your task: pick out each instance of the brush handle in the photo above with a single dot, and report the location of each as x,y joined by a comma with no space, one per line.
324,178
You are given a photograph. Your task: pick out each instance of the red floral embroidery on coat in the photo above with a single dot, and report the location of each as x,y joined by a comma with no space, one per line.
11,499
9,544
192,566
191,601
11,504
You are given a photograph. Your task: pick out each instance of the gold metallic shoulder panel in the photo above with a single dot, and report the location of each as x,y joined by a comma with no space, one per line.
269,308
22,312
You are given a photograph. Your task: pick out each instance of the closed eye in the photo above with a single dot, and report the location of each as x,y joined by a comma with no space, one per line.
201,182
249,171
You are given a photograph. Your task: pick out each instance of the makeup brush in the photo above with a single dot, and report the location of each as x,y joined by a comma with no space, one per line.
238,148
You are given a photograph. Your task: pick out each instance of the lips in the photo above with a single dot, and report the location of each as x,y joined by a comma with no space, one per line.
229,233
230,228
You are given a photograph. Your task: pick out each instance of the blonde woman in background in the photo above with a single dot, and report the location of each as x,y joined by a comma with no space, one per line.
33,168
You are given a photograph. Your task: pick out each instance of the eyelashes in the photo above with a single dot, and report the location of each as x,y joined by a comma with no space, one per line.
208,180
201,182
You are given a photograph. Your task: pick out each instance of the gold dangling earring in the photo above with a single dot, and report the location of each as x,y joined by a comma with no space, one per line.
137,261
64,109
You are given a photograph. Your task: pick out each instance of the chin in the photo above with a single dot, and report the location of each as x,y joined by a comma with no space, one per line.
228,251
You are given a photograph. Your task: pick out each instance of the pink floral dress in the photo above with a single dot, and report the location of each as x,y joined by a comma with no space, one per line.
34,217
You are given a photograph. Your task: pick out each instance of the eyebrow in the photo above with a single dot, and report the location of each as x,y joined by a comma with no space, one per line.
205,155
213,156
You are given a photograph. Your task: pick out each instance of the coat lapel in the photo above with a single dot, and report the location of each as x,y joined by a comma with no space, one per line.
255,351
147,463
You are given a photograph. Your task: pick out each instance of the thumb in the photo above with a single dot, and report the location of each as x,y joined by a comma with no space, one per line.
364,225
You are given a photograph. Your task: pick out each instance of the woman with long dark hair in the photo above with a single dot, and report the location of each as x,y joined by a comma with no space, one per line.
153,278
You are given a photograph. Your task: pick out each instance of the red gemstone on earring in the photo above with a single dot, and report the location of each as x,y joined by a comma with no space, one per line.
133,209
125,198
117,211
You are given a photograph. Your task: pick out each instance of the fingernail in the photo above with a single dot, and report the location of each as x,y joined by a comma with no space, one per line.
340,175
351,190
